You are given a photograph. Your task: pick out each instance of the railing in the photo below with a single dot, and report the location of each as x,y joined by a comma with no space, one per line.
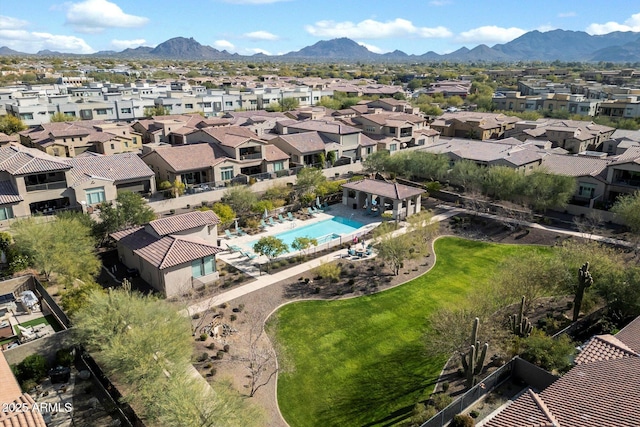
47,186
252,156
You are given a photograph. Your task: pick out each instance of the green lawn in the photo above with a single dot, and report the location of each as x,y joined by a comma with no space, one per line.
47,320
361,361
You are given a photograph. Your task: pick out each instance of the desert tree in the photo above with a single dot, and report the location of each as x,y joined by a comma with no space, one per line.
260,359
270,246
240,198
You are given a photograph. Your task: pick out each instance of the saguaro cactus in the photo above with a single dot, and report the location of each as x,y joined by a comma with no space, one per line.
584,281
520,324
473,361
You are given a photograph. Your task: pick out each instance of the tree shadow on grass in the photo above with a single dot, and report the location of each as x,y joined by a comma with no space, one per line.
371,394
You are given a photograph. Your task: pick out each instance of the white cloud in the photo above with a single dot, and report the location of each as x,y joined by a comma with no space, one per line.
257,50
253,1
124,44
261,35
223,44
490,34
9,23
32,42
371,29
93,16
567,15
631,24
372,48
546,27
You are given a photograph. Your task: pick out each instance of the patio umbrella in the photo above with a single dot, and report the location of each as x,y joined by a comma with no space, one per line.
266,213
236,224
318,201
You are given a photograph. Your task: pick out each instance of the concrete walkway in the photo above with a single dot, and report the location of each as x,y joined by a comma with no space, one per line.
594,237
269,279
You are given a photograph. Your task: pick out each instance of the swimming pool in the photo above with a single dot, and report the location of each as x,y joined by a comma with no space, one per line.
323,231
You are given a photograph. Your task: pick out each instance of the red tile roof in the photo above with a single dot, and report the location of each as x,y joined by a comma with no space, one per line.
604,347
392,190
168,251
183,222
20,160
630,335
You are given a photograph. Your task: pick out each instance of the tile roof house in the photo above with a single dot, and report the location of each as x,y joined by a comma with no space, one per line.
11,396
70,139
173,254
572,135
32,181
396,130
303,141
474,125
601,390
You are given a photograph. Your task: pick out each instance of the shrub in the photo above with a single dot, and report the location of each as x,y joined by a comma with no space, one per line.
251,223
211,346
204,356
261,205
350,282
203,337
441,401
421,413
220,355
328,271
28,385
445,386
233,317
196,316
212,372
33,367
64,357
462,421
226,348
474,414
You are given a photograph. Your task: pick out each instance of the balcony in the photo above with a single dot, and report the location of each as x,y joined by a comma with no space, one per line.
251,156
56,185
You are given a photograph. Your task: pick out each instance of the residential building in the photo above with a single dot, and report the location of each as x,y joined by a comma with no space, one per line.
315,137
34,182
449,88
19,409
474,125
175,254
71,139
395,131
601,390
573,135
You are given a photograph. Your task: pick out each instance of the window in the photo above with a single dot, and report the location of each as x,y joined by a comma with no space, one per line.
26,116
278,166
203,266
587,190
393,147
6,212
207,105
113,146
126,144
369,150
226,173
101,111
228,104
125,110
421,142
188,105
369,129
95,195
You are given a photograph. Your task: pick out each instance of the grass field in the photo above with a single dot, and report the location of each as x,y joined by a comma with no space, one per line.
47,320
361,361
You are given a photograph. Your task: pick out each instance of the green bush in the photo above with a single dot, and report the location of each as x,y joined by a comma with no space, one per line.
203,337
328,271
204,356
261,205
64,357
462,421
441,401
33,367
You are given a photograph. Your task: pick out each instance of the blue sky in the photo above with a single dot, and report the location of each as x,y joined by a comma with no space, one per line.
280,26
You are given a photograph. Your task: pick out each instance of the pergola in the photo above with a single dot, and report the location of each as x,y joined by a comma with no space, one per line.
377,196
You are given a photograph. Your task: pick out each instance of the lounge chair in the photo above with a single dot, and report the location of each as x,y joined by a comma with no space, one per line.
271,221
229,235
280,218
326,206
241,232
233,248
249,255
316,210
263,224
369,250
291,217
311,212
352,252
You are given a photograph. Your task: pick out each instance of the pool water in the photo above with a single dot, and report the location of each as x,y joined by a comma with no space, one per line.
323,231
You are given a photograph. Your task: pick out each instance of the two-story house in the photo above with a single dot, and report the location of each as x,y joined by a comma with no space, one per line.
393,131
573,135
174,254
33,182
474,125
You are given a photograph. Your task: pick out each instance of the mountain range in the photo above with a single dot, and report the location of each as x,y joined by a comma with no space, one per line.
553,45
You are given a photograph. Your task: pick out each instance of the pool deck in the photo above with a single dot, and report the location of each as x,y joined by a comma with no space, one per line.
251,268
